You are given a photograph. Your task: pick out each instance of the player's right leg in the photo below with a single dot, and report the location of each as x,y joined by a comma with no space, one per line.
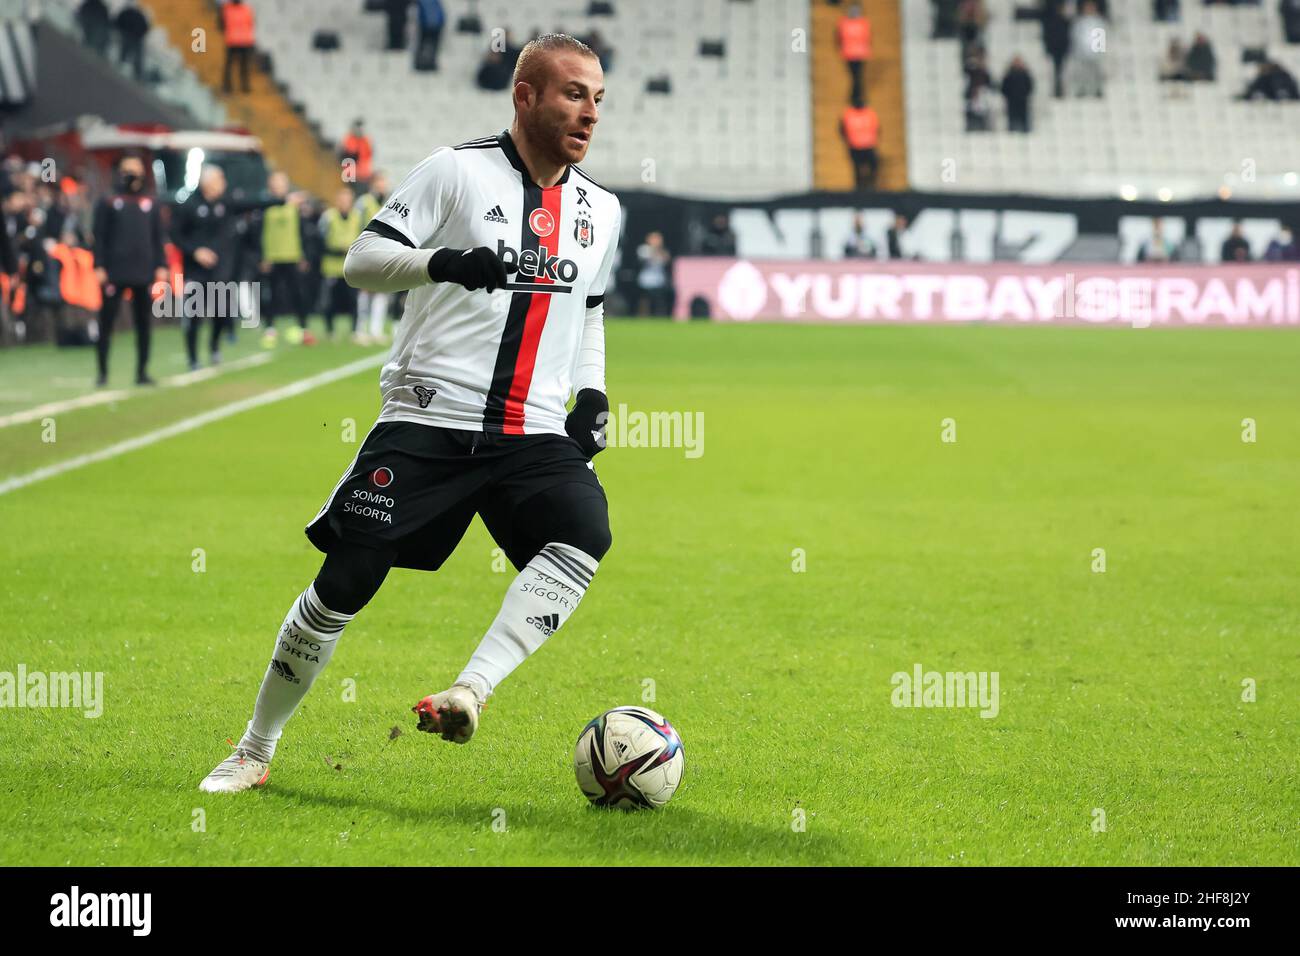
347,580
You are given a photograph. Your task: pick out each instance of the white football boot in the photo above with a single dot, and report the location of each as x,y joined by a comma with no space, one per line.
453,713
239,771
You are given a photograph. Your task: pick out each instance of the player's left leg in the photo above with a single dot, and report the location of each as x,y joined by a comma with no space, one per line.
348,579
556,537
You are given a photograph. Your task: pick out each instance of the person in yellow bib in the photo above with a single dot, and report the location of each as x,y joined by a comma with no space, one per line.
372,307
283,263
339,228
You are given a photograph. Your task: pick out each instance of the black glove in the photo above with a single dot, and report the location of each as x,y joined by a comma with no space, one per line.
586,423
477,268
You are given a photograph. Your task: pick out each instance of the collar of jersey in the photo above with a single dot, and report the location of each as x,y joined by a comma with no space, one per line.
517,161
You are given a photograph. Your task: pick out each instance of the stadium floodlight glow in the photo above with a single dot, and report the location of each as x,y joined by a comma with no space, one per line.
1128,192
1291,179
1225,192
1165,194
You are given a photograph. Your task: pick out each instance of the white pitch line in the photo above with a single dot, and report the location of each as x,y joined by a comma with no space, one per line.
66,405
195,421
91,399
212,371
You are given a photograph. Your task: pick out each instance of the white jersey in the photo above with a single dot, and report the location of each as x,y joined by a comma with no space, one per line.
502,361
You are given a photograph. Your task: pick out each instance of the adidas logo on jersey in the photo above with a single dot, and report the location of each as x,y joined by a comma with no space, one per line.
547,623
496,215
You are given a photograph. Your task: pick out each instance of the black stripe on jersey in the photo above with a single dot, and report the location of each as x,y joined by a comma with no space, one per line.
594,300
479,143
388,232
503,373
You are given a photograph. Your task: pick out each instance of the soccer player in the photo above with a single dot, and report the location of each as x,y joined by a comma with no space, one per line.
474,395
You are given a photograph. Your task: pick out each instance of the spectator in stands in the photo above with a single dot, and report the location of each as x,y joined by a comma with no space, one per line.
718,239
1056,41
432,18
128,257
94,18
339,228
1272,82
598,43
896,237
652,279
860,128
396,11
853,34
979,107
494,70
1290,12
1157,248
977,71
239,29
1174,66
972,18
1283,248
1017,88
279,230
1235,247
1087,46
859,245
132,27
1201,63
1167,11
357,150
944,18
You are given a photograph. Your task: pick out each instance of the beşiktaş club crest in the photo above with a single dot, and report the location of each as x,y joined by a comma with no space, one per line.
582,231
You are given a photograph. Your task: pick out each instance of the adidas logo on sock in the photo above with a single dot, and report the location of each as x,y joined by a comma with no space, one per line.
496,215
285,671
547,623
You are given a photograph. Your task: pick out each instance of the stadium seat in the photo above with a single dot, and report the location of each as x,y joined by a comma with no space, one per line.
758,92
1143,133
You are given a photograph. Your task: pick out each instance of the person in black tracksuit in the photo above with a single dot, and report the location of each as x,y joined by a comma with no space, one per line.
206,227
128,254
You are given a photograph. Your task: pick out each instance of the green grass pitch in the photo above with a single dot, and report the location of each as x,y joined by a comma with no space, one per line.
1121,692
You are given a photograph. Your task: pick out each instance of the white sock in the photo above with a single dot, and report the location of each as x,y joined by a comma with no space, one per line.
539,601
302,649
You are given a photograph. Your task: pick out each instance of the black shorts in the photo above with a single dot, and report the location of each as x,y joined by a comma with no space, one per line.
416,488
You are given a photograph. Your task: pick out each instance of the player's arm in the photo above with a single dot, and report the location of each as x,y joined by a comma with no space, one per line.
585,424
391,254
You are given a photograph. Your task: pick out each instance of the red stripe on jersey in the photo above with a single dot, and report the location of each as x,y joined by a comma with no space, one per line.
538,307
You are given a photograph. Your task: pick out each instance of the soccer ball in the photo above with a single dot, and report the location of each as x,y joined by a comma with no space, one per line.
629,757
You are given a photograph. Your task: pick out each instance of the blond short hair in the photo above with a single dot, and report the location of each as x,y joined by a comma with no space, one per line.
530,68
